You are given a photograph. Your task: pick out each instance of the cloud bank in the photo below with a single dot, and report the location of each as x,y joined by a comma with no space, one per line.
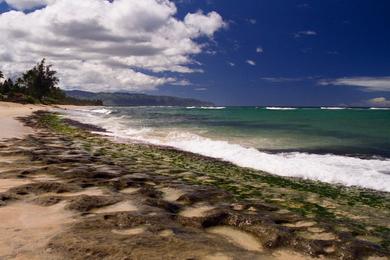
365,83
105,45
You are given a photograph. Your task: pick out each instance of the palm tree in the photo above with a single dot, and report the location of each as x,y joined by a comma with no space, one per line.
1,75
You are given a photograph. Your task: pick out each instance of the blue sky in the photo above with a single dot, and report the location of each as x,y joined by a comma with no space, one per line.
287,53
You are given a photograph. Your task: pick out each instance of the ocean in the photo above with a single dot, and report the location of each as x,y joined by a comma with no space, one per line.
348,146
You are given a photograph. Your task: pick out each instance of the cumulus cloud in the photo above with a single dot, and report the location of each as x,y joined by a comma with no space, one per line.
259,50
365,83
106,45
251,62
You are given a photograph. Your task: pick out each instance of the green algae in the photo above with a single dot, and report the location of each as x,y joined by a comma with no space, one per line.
243,183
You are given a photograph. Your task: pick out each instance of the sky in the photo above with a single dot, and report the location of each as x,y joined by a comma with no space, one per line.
230,52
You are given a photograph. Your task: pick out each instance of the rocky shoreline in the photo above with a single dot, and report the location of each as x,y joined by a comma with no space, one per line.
137,201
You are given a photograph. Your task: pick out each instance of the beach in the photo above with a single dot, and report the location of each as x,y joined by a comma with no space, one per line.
68,190
10,126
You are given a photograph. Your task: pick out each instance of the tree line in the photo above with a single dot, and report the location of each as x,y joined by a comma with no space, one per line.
38,85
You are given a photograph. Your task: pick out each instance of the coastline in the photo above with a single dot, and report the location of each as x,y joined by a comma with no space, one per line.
186,192
11,127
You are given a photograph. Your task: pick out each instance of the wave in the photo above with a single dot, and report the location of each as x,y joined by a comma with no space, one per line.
101,111
349,171
281,108
333,108
217,108
379,108
211,108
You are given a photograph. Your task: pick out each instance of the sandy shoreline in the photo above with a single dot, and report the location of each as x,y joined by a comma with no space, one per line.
10,126
9,112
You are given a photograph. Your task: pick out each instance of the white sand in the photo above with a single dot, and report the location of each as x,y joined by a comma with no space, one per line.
172,194
9,126
118,207
199,210
26,228
6,184
238,237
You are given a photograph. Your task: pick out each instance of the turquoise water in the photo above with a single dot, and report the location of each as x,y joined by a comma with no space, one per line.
344,146
357,132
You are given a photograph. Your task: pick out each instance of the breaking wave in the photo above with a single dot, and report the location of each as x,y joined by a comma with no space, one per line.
349,171
281,108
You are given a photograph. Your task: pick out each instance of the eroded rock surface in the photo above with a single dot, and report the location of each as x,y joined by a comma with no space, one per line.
131,201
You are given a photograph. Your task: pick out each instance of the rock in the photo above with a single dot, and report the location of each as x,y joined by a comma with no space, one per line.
85,203
43,187
204,194
47,200
208,219
160,203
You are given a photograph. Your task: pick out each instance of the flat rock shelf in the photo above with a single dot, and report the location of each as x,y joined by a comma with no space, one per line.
81,195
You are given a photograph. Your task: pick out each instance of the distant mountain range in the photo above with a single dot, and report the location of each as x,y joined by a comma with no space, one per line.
129,99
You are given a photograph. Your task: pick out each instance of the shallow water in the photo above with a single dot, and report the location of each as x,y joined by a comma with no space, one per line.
345,146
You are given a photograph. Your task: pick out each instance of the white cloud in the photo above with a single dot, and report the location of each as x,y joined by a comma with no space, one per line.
101,45
282,79
182,82
305,33
259,50
251,62
204,24
232,64
288,79
25,4
252,21
379,102
365,83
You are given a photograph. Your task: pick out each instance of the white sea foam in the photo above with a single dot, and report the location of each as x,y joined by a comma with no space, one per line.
281,108
217,108
211,108
333,108
102,111
349,171
380,108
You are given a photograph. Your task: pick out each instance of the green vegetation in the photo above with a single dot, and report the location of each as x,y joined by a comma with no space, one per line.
38,86
364,213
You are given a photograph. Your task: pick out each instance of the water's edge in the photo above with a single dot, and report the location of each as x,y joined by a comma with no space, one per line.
370,173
